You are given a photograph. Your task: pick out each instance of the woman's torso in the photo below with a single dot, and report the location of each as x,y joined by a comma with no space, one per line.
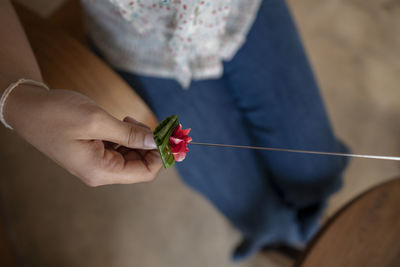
180,39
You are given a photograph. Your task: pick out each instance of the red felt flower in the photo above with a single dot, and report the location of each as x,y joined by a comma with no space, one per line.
178,142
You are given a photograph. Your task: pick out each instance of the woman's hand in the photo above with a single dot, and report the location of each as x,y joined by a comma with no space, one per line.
77,134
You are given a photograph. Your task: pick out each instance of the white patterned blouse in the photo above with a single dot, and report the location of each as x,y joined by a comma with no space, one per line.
180,39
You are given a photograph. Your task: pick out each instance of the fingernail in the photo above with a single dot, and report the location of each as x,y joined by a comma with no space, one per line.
149,141
129,119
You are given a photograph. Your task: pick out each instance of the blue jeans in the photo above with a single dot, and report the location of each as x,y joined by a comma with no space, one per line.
266,97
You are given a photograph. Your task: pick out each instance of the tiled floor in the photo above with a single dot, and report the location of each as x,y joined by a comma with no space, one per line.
54,220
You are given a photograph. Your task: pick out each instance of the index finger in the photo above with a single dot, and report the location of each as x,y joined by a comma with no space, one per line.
137,169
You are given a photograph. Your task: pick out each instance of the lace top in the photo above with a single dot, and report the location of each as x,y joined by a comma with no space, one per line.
180,39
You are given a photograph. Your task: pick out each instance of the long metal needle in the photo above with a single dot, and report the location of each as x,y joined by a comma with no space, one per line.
303,151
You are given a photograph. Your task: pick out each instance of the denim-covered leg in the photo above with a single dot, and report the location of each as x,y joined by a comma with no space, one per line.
233,180
274,88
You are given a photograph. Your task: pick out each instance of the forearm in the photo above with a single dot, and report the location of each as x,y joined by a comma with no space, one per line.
16,56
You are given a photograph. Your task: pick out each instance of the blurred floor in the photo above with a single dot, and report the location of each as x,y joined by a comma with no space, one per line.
354,48
54,220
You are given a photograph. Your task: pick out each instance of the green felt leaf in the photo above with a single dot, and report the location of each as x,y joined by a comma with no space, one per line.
162,133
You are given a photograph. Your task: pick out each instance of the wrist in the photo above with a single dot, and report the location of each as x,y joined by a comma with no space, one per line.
22,101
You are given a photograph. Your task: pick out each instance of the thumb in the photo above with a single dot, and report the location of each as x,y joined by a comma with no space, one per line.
127,133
